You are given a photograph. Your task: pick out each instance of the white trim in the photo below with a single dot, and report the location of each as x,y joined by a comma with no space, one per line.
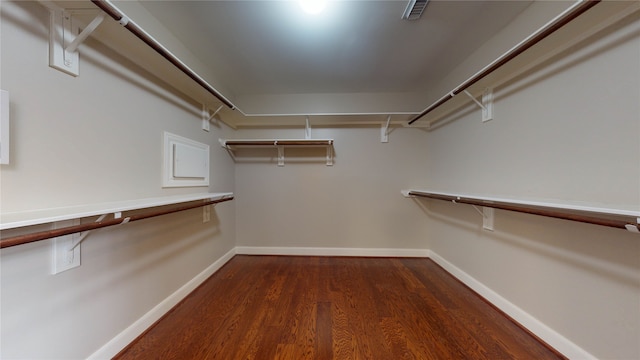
120,341
551,337
313,251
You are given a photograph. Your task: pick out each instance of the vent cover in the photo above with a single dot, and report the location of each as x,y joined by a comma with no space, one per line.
414,9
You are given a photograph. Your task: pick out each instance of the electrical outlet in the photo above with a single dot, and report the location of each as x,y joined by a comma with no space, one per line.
206,214
63,258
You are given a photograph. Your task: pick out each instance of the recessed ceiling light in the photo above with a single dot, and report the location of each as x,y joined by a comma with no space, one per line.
313,6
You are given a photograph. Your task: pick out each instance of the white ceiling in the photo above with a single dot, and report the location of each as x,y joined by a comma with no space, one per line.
262,50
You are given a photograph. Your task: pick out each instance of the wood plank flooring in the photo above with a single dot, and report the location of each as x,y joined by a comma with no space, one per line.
272,307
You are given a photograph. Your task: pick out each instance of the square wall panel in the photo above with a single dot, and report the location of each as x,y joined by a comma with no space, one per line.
186,162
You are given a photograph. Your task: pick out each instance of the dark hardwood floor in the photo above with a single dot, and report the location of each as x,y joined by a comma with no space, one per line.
273,307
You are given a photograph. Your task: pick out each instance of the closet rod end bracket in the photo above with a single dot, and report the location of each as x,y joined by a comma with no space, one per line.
406,193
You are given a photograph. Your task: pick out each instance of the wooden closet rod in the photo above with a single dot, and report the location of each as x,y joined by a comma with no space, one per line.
48,234
112,11
620,221
542,33
278,142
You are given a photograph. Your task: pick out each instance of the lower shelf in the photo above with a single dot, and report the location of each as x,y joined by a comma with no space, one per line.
36,217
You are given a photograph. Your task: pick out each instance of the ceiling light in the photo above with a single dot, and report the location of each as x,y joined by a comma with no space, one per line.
313,6
414,9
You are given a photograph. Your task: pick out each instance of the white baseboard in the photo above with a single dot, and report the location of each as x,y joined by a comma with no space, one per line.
313,251
557,341
113,347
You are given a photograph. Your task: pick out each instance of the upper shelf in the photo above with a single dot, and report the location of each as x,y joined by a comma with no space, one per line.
13,220
276,142
582,20
280,144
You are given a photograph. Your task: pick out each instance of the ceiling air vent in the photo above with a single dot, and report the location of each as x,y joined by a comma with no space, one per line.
414,9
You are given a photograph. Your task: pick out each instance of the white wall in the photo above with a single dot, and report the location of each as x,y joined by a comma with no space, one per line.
356,203
90,139
567,132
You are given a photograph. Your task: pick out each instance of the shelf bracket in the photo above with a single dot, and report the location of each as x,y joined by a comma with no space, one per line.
329,155
384,131
478,210
206,118
65,38
487,216
93,25
215,112
280,155
84,234
307,129
486,105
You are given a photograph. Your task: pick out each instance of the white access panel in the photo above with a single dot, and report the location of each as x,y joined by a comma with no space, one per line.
186,162
189,161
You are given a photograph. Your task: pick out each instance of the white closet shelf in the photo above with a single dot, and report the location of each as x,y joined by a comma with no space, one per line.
13,220
280,144
275,142
618,217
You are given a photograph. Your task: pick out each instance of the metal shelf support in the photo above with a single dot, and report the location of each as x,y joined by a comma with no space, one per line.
65,38
486,105
384,131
